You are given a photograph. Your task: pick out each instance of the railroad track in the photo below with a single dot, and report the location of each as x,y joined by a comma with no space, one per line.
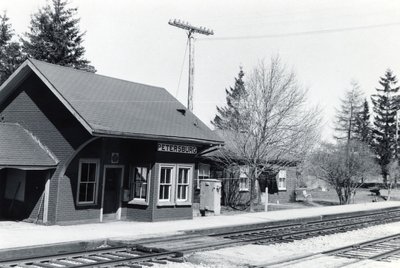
108,256
291,232
385,249
133,254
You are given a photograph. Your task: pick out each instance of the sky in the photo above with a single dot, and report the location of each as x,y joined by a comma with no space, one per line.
327,43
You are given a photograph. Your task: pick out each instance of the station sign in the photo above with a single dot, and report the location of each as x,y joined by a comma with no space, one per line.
174,148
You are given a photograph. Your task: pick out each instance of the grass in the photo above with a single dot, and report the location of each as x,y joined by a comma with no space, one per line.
322,198
329,197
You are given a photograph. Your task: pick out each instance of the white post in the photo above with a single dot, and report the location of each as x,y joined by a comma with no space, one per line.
46,200
266,199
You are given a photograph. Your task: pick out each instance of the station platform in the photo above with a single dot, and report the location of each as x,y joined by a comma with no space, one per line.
22,234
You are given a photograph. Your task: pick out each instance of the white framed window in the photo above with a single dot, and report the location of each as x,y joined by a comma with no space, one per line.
243,178
282,179
175,183
183,183
166,180
88,177
203,173
139,184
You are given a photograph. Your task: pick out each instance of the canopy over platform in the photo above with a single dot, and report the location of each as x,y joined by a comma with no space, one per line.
20,149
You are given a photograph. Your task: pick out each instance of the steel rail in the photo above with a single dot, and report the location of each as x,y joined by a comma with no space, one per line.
63,255
380,243
278,238
96,258
309,228
322,221
316,255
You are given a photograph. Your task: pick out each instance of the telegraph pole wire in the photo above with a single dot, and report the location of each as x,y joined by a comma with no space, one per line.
183,63
191,30
314,32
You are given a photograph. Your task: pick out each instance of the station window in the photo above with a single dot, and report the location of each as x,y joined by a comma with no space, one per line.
175,184
282,180
183,184
139,184
166,180
243,178
203,173
88,179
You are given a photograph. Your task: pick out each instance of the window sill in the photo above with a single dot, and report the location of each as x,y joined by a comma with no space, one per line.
86,204
183,203
165,204
282,190
138,202
243,190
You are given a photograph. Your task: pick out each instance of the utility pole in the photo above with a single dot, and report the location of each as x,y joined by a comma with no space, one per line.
191,30
397,135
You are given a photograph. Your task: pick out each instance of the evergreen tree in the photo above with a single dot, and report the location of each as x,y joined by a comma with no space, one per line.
363,129
346,117
385,108
228,117
10,51
55,37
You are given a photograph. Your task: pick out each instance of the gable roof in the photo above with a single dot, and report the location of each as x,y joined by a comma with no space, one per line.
20,149
108,106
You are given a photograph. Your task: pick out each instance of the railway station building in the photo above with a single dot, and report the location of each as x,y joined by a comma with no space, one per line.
78,147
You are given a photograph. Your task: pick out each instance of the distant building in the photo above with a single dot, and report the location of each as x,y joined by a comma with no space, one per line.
281,180
80,147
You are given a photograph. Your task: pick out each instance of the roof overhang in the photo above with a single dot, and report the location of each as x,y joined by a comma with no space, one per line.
140,136
28,167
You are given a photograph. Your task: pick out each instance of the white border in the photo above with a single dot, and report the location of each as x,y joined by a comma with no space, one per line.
171,199
187,201
140,201
89,161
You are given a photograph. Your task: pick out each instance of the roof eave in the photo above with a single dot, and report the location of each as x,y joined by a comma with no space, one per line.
140,136
29,167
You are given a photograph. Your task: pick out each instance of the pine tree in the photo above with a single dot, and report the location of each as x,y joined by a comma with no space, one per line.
363,129
55,37
10,51
227,117
346,117
385,108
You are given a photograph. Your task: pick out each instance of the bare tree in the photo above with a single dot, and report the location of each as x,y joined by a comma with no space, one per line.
343,165
274,125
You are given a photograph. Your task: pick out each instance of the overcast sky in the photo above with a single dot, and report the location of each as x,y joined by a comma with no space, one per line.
327,43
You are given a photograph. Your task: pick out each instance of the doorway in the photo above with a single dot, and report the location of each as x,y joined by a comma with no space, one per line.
112,188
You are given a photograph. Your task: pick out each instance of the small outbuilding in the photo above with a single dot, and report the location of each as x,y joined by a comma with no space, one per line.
225,165
78,147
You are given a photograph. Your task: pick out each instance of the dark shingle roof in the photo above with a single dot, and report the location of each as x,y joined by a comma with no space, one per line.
19,148
112,106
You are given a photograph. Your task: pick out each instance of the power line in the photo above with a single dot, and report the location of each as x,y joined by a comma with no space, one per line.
324,31
183,63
